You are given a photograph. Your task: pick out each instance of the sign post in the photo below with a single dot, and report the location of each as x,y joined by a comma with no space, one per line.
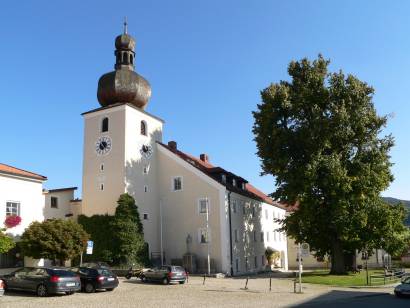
303,251
90,245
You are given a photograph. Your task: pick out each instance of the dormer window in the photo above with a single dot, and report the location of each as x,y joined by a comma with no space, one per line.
143,128
233,182
223,178
104,125
243,186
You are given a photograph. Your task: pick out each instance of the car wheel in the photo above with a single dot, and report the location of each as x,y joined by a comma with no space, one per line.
89,288
42,290
110,289
165,280
128,276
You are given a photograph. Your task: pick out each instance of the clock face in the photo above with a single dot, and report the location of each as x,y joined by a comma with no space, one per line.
146,150
103,145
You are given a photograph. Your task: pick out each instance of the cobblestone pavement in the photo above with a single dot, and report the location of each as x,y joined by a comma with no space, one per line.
227,292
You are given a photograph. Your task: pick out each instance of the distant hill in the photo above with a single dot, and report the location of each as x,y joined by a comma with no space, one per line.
395,201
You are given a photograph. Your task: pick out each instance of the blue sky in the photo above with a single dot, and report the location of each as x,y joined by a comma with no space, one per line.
206,62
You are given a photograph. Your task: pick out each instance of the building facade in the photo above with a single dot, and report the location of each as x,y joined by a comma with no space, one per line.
187,205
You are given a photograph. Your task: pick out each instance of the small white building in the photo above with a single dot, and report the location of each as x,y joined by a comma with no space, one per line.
22,194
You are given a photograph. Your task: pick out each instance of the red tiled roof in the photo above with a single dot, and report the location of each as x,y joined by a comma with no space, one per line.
6,169
209,169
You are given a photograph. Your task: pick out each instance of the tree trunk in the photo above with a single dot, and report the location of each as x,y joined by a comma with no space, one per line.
337,259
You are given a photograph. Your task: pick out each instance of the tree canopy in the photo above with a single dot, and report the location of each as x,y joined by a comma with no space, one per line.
54,239
128,236
320,136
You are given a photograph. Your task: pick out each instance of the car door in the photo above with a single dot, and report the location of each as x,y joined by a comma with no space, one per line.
16,280
34,277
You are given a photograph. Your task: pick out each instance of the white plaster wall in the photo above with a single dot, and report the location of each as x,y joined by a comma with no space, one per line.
28,193
246,224
94,200
64,204
135,179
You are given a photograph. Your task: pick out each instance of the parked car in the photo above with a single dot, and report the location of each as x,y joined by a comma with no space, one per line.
43,280
1,287
96,278
403,288
166,274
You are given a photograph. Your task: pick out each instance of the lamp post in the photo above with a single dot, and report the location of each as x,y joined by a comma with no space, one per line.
207,235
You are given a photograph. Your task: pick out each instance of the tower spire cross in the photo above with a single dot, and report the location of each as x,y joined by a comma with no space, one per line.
125,25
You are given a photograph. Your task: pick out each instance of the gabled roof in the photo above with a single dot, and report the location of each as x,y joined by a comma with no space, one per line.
10,170
214,172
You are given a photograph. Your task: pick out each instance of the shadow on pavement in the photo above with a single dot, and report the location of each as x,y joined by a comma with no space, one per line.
338,298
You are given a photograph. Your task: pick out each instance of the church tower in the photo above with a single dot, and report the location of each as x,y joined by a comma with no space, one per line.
120,144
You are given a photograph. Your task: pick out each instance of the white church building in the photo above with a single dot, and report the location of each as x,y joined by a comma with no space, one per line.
188,206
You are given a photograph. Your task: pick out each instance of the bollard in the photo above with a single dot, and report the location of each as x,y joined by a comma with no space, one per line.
270,283
246,284
203,283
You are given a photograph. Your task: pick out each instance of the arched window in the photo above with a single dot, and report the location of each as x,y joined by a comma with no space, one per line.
143,128
131,59
104,125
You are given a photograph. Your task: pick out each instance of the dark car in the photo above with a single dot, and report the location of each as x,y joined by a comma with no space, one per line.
165,274
96,278
43,280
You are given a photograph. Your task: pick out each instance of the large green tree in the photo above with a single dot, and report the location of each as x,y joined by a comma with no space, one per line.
128,236
54,239
320,136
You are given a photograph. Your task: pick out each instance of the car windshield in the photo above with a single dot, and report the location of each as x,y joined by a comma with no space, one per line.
178,269
406,280
62,273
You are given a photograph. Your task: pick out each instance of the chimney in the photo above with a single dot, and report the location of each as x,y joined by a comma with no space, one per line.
204,157
172,145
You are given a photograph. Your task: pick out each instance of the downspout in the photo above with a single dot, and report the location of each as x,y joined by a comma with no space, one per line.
230,232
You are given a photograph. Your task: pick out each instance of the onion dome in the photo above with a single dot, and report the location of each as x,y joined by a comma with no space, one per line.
124,85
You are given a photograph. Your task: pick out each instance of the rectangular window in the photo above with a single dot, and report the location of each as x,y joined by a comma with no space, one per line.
267,236
256,262
237,265
177,183
262,236
12,208
203,236
233,182
101,186
253,210
146,169
145,188
254,236
234,206
102,167
54,202
266,214
203,205
274,236
262,260
145,216
236,236
223,178
244,209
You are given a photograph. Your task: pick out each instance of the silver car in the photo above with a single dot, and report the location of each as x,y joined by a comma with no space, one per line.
403,288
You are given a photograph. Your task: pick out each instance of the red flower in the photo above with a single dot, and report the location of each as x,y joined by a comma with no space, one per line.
12,221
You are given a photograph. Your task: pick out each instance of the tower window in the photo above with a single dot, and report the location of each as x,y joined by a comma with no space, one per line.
102,167
104,125
131,59
146,169
101,186
145,216
143,128
145,188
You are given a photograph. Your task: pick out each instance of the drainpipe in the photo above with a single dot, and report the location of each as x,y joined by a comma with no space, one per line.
230,232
